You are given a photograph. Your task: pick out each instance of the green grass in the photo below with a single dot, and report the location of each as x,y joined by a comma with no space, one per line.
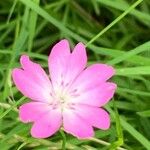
115,32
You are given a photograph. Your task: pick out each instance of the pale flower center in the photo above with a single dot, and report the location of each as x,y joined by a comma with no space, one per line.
63,99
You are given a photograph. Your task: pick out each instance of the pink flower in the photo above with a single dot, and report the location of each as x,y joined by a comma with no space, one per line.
71,98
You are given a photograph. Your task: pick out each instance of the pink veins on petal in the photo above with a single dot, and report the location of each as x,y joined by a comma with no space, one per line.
71,98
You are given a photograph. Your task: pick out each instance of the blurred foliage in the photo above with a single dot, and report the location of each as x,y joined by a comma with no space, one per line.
33,26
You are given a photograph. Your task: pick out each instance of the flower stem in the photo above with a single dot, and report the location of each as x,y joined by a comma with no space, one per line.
105,143
63,139
12,107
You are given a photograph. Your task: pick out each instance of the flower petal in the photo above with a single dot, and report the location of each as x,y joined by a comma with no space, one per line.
64,66
78,61
58,61
32,81
76,126
36,71
95,116
47,125
92,76
32,111
98,96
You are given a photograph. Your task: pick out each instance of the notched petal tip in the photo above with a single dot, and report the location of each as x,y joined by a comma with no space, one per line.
107,126
112,86
80,136
37,136
62,44
34,135
60,49
76,125
15,73
113,70
22,115
110,68
79,55
63,41
87,137
104,68
80,47
81,44
24,59
106,122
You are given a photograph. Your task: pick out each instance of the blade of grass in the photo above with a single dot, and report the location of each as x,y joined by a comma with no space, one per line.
127,55
12,107
145,113
123,5
135,59
32,26
114,22
120,140
133,91
137,135
145,70
18,44
104,143
52,20
11,10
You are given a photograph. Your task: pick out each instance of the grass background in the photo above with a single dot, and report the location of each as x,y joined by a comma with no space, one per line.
114,31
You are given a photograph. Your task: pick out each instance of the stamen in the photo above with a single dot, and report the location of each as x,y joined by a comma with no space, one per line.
71,105
51,94
62,83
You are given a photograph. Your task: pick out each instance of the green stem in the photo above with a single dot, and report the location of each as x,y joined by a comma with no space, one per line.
104,143
63,139
12,107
